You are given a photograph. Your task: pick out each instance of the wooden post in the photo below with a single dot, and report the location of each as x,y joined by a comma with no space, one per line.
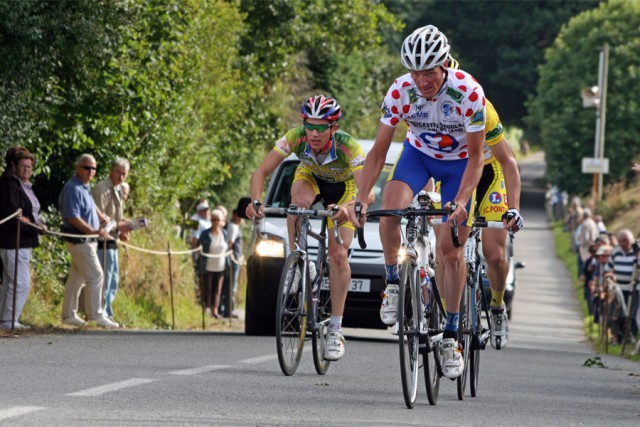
173,314
15,272
200,264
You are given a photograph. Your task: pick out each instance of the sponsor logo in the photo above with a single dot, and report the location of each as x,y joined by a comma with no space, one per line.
440,142
420,115
384,111
495,198
455,95
477,118
413,96
491,209
448,110
495,132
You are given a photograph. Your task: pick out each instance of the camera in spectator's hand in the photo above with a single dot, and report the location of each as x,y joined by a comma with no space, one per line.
139,223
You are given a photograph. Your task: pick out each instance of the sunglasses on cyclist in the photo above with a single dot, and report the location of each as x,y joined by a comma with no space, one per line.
319,128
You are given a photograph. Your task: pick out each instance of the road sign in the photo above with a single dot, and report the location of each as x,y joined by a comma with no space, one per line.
593,165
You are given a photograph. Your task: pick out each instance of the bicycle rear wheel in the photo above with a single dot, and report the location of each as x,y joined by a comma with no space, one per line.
464,338
477,344
409,312
319,337
431,359
291,315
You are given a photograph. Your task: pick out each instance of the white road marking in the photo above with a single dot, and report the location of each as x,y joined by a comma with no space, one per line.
107,388
260,359
200,370
269,357
16,411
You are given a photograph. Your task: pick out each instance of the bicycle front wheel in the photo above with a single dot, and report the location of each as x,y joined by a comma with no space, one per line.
477,344
291,314
408,315
322,306
464,338
431,359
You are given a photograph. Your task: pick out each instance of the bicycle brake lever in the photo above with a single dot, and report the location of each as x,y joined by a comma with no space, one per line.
336,227
360,230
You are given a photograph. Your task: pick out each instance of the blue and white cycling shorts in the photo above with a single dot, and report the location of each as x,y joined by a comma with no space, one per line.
415,168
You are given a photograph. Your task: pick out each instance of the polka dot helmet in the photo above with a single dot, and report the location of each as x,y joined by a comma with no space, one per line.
424,49
321,107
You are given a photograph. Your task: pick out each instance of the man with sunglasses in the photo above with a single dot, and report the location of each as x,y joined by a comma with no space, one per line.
331,162
81,217
445,115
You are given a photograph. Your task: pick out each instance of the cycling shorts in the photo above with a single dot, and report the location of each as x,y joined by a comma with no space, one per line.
491,192
328,192
415,169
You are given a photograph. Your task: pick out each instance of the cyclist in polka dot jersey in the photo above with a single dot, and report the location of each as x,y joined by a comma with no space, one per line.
444,111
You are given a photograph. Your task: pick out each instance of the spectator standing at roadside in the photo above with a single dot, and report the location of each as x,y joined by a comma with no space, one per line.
214,244
235,245
588,234
203,219
80,216
16,193
109,199
623,258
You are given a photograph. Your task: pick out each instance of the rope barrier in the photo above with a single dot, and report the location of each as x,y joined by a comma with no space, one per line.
129,245
16,213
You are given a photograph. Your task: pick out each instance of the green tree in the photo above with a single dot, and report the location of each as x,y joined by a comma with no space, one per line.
565,128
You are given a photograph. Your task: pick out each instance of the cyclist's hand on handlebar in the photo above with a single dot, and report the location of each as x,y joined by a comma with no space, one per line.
458,212
358,218
341,215
254,210
512,220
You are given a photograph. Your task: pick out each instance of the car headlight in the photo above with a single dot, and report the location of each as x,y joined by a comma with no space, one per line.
272,247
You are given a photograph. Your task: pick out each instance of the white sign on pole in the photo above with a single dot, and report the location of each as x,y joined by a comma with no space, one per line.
593,165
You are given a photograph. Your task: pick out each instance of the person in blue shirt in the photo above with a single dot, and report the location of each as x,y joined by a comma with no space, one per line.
81,217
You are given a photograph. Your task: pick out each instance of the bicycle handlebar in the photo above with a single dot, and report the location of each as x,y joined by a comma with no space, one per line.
403,213
311,213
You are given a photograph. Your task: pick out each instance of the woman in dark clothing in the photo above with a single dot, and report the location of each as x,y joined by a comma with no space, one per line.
16,193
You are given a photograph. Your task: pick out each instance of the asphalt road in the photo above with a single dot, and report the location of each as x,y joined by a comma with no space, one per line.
137,378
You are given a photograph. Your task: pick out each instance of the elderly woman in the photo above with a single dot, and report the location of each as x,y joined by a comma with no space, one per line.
214,244
16,193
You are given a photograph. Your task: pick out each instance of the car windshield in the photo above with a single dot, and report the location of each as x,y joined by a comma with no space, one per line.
281,194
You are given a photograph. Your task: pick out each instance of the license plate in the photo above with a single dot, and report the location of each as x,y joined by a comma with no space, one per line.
357,285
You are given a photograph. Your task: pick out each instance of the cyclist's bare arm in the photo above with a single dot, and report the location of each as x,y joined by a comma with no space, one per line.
505,156
471,176
373,165
258,178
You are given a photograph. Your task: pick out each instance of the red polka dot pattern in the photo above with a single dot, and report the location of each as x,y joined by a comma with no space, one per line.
395,94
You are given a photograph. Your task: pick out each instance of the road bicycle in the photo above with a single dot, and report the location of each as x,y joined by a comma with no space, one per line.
304,306
420,311
473,330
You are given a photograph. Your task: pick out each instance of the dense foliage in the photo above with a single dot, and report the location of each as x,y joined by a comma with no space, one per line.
566,128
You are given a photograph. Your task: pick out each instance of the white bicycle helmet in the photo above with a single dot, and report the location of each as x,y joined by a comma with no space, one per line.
424,49
321,107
